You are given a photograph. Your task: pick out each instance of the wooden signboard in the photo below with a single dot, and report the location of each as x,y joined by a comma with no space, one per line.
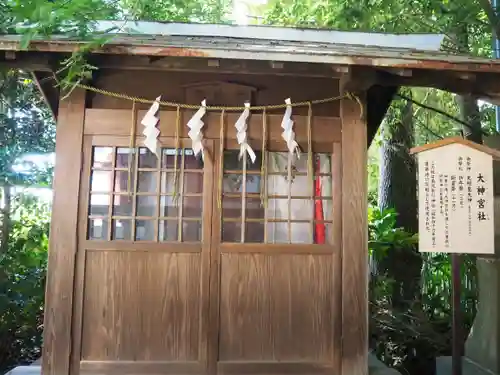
456,199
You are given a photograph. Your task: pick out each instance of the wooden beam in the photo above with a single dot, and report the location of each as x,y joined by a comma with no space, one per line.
49,90
354,240
207,65
63,236
379,99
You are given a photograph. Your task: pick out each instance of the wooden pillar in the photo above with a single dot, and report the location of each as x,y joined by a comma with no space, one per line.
63,236
354,240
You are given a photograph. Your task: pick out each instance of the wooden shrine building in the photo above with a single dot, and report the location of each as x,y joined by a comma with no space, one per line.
173,263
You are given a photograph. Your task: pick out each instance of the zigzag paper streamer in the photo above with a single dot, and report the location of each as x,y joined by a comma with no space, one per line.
195,124
288,134
241,134
150,131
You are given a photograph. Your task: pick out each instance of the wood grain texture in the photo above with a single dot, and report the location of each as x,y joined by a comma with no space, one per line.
274,367
174,86
276,308
116,123
63,236
337,256
140,367
354,241
141,306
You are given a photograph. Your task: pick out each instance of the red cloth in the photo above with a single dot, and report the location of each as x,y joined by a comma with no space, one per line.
318,206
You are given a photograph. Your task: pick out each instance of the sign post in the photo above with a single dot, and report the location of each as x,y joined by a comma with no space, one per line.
456,211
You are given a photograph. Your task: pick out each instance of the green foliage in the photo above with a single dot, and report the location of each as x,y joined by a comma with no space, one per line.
411,336
22,283
77,19
26,126
384,236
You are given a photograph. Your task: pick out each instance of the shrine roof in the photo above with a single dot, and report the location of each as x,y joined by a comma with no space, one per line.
269,43
456,140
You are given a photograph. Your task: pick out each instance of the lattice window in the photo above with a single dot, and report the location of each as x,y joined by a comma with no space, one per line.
281,206
140,199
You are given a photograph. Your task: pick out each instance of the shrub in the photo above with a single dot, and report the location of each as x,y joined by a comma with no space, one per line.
22,283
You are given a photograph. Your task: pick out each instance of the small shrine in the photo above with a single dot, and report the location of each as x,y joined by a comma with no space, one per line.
210,208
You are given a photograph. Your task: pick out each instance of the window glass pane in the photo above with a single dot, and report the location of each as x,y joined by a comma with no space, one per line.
99,204
147,159
301,233
322,164
254,208
191,231
191,161
231,207
193,183
277,232
231,231
323,233
192,207
122,229
278,185
103,157
124,156
122,205
167,183
253,184
232,183
169,206
100,181
254,232
167,230
323,209
147,182
232,161
146,205
277,209
168,158
122,180
97,229
145,230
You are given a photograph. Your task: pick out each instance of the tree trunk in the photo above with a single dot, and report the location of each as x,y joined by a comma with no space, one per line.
397,190
6,211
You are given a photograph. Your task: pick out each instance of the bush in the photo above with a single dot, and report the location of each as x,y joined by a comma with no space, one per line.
410,321
22,283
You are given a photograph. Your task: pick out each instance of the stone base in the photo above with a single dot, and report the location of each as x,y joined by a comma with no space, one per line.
26,370
443,367
375,367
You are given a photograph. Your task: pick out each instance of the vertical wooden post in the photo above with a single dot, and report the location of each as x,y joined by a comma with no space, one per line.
354,240
63,236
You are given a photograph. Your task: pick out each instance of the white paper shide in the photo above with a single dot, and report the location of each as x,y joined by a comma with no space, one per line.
150,130
195,124
241,134
456,200
288,134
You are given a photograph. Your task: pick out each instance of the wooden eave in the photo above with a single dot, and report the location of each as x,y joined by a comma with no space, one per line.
456,140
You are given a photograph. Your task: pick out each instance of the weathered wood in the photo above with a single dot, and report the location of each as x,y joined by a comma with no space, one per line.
172,63
337,256
63,236
354,241
117,123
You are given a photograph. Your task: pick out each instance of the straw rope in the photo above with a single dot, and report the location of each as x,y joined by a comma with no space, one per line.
133,126
176,159
221,160
137,99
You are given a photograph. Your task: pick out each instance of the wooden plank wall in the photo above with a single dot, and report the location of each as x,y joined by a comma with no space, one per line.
63,235
354,241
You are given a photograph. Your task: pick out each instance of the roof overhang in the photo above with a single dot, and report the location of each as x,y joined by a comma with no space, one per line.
393,60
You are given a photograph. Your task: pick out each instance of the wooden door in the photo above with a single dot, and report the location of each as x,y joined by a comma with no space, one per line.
275,285
142,275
